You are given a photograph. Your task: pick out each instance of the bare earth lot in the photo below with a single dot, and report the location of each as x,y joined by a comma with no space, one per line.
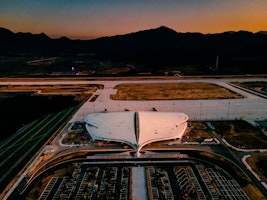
197,132
21,104
80,91
259,86
241,134
258,163
172,91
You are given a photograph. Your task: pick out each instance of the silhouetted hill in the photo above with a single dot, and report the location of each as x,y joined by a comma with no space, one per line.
23,42
159,40
155,46
5,34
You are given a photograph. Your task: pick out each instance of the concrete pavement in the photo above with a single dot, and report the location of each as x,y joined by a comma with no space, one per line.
252,107
249,107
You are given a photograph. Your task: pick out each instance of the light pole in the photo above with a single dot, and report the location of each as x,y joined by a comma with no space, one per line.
228,110
200,113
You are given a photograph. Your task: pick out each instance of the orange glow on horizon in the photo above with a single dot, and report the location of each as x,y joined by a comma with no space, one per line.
94,20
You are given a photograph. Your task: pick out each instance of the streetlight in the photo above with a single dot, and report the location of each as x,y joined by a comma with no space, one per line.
228,110
200,113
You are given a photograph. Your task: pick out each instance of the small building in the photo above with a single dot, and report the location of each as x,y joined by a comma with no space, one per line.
208,140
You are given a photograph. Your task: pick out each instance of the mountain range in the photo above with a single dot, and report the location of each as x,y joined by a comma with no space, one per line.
153,45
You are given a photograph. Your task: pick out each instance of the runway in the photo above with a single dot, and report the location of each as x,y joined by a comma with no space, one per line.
251,107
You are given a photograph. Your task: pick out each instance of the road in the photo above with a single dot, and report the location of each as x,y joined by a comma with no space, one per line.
36,136
236,157
252,107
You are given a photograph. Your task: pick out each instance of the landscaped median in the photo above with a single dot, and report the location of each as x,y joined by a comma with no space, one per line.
256,164
241,135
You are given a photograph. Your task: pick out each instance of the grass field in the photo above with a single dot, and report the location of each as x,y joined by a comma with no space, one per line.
258,86
197,132
172,91
241,134
258,163
80,91
21,104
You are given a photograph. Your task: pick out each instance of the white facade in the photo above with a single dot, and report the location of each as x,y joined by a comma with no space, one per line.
136,129
117,126
158,126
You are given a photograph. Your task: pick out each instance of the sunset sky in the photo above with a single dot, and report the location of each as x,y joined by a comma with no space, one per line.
87,19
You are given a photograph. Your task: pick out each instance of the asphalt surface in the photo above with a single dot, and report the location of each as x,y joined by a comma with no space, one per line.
251,107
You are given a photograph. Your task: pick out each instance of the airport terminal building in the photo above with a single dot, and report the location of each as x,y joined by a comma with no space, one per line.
136,129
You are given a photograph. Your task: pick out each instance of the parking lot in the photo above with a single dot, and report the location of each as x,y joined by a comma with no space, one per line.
161,181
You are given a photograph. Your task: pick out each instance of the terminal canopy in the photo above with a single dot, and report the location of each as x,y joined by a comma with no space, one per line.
136,129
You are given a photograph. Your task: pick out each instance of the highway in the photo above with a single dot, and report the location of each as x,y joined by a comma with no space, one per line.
23,149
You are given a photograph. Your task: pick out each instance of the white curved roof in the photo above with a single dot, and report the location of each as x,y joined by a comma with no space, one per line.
114,126
136,128
158,126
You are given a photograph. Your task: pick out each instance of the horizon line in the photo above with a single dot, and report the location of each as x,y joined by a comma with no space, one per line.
121,34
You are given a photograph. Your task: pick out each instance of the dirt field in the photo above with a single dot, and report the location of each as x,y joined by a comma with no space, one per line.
197,132
259,86
50,89
75,138
80,91
172,91
258,163
241,134
18,100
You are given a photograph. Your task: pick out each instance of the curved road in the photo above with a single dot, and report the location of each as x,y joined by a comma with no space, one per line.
252,107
